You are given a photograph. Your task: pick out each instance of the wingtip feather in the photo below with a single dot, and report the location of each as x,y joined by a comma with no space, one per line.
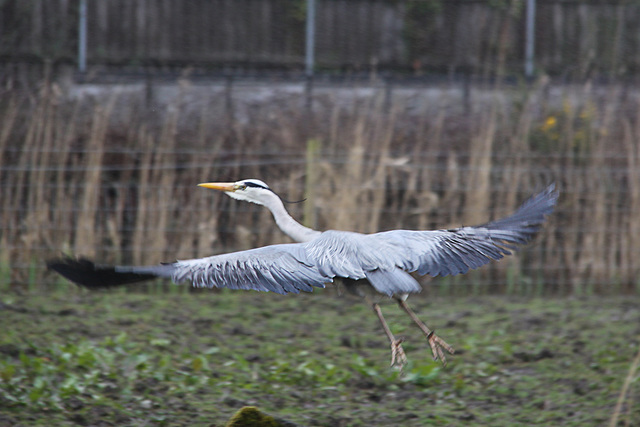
86,273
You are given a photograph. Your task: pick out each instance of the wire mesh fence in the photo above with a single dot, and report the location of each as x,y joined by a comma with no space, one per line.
572,39
113,175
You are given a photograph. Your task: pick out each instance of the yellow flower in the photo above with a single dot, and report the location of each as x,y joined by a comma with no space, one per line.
549,123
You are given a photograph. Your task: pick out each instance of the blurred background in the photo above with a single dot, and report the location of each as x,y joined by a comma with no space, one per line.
382,114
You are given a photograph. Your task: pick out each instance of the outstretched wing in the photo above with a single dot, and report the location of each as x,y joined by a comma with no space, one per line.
277,268
456,251
381,257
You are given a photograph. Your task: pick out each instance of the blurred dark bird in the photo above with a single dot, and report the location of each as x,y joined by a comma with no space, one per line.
379,262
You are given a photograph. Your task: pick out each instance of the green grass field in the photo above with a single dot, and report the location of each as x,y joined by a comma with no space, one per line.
72,357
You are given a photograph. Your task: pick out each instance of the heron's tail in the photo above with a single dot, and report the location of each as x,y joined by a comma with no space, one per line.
86,273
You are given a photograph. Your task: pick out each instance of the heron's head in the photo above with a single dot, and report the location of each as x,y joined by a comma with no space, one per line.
250,190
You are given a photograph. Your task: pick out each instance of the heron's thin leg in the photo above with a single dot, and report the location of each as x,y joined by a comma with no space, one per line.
435,342
397,352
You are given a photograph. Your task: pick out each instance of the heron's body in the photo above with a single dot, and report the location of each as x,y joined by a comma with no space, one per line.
383,259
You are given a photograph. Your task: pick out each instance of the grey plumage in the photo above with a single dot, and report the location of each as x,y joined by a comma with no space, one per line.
384,259
277,268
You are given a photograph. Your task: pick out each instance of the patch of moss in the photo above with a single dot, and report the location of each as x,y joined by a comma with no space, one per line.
250,416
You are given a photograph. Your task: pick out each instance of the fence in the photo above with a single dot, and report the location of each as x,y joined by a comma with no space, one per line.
573,39
105,177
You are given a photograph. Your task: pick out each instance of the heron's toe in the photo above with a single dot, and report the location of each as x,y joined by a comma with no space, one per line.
398,356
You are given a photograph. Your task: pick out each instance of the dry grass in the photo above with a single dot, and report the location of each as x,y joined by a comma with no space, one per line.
79,178
625,394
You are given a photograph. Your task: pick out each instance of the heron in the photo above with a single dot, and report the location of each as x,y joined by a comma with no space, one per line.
369,265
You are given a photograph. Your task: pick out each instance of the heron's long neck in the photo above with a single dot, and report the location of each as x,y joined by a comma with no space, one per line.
287,224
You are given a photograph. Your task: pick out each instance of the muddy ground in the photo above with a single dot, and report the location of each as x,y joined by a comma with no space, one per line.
73,357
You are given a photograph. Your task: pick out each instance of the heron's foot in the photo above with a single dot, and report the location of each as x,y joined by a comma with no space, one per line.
438,345
398,356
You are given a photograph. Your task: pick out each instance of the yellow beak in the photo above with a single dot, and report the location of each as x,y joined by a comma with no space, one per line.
220,186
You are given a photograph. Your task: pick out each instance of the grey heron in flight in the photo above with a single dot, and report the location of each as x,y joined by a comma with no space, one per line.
378,262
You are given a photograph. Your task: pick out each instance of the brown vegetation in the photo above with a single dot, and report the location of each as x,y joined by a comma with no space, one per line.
115,180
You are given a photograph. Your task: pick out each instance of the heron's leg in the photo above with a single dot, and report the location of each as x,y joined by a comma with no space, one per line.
397,352
435,342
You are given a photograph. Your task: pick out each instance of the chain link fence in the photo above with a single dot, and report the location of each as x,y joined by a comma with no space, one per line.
573,40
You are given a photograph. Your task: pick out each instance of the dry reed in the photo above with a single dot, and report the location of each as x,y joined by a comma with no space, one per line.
624,394
78,178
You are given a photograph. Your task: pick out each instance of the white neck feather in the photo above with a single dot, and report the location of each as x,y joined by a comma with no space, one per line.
287,224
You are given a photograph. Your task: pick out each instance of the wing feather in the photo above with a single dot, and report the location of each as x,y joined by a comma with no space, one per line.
434,252
456,251
276,268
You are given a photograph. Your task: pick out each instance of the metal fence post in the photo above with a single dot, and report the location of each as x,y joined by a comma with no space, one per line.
82,37
310,37
529,49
